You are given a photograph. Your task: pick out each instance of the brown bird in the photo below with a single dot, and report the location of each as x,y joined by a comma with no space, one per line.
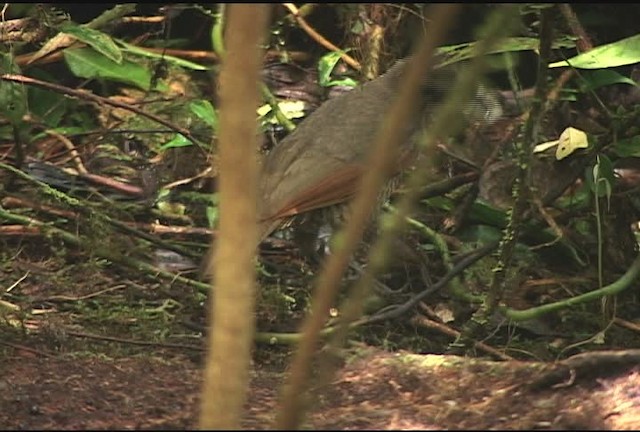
308,179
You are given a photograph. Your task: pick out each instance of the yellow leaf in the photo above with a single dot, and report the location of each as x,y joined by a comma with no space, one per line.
291,109
571,140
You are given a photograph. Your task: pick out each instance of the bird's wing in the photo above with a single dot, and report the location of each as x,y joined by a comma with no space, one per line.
340,186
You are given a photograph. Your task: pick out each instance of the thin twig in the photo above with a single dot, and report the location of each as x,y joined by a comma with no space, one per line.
75,156
319,38
444,329
27,349
132,341
65,298
396,311
583,42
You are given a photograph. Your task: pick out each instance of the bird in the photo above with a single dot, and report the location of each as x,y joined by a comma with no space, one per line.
309,178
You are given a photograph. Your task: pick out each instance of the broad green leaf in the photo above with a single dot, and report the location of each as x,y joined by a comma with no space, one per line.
178,141
457,53
480,212
97,40
87,63
212,212
13,96
344,82
205,111
483,214
48,106
172,208
480,233
132,49
620,53
326,65
601,78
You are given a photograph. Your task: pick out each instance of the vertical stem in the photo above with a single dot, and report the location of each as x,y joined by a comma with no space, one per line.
232,303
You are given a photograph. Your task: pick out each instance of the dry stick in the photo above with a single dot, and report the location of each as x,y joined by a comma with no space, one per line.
319,38
232,305
80,94
587,364
22,30
445,329
627,325
395,311
132,341
381,159
65,298
75,156
202,56
28,349
583,42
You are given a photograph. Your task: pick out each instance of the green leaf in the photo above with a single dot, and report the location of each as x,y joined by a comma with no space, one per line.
171,208
178,141
326,65
47,106
97,40
480,212
87,63
483,214
480,233
13,96
357,28
603,173
213,214
460,52
205,111
601,78
620,53
345,82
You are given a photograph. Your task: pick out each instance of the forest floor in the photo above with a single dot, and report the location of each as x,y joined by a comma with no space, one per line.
379,390
74,355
